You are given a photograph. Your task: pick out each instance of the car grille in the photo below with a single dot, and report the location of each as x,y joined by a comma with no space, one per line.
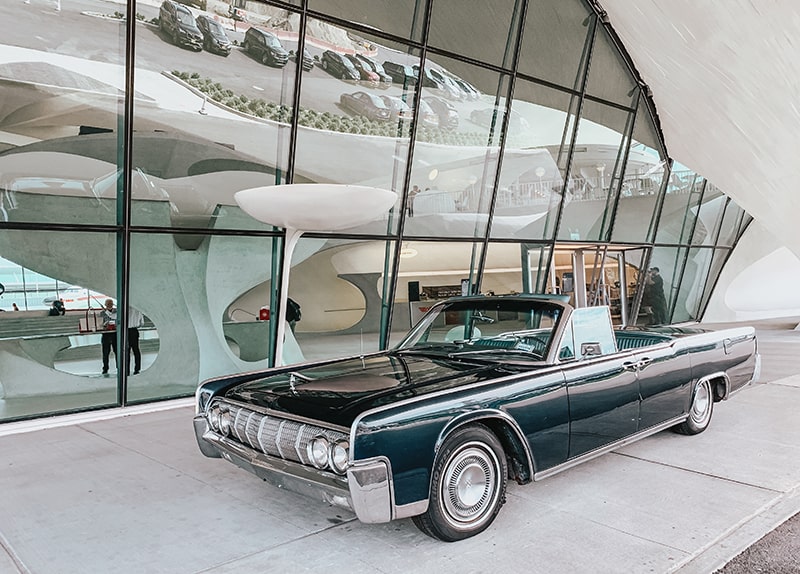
276,436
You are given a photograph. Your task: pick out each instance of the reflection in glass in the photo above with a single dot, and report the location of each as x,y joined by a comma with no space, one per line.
690,292
51,346
594,175
536,144
214,125
680,207
495,23
429,272
455,165
645,171
554,41
338,285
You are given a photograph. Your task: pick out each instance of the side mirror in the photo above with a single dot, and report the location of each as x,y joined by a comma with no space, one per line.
591,349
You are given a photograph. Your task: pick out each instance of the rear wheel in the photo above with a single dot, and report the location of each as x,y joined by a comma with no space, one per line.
468,485
700,411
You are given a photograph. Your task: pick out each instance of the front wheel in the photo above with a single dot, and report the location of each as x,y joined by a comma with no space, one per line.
468,485
700,411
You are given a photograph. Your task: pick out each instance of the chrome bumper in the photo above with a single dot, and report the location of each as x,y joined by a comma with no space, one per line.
365,490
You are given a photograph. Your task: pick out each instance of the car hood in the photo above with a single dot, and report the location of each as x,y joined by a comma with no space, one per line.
337,392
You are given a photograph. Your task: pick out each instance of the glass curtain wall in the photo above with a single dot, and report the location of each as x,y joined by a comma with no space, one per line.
516,136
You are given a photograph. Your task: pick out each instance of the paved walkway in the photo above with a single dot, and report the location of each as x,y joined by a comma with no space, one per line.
132,494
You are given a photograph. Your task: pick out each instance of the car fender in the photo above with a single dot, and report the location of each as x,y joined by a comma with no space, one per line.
507,431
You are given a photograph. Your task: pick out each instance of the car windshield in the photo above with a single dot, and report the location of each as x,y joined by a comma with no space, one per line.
186,18
215,29
273,42
518,326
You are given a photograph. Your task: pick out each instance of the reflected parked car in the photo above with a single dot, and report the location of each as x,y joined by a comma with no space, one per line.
265,47
308,61
365,72
177,23
214,37
516,123
384,78
400,73
368,105
399,109
438,83
339,66
447,114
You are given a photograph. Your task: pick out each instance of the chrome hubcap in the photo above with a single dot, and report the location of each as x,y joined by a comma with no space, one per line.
702,402
469,485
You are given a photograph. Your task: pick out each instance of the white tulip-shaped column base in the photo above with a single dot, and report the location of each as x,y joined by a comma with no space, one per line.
299,208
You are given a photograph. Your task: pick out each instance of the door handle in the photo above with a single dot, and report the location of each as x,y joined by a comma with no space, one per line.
643,363
630,366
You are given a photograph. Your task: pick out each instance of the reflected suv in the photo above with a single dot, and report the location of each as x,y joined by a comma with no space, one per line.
265,47
177,23
214,37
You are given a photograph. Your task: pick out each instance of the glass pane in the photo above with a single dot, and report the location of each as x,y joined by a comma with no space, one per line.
661,285
680,207
404,18
338,286
455,164
720,256
62,106
356,117
201,314
52,341
693,281
436,271
596,164
494,23
609,77
731,224
554,40
531,177
645,171
214,117
503,272
709,216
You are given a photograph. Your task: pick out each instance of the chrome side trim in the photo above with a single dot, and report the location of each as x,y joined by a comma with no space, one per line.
411,509
370,490
608,448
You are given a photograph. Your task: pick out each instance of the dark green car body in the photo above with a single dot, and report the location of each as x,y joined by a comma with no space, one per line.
548,405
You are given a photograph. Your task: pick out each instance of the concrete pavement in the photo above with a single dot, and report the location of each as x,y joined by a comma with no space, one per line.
133,494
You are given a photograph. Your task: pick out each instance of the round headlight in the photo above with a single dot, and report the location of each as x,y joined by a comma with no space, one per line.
318,451
213,417
225,421
340,456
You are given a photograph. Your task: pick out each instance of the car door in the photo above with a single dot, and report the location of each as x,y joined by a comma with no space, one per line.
664,379
602,384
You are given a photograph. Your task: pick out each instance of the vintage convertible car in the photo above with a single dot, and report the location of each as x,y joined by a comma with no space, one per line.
481,390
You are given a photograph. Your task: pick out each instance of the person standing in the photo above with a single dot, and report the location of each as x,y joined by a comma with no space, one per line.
135,320
411,195
292,312
108,339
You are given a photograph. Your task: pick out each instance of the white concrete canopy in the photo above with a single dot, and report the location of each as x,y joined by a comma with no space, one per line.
724,77
316,206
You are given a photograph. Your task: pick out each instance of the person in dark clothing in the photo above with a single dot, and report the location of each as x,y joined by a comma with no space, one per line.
292,312
57,308
135,320
108,339
654,298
